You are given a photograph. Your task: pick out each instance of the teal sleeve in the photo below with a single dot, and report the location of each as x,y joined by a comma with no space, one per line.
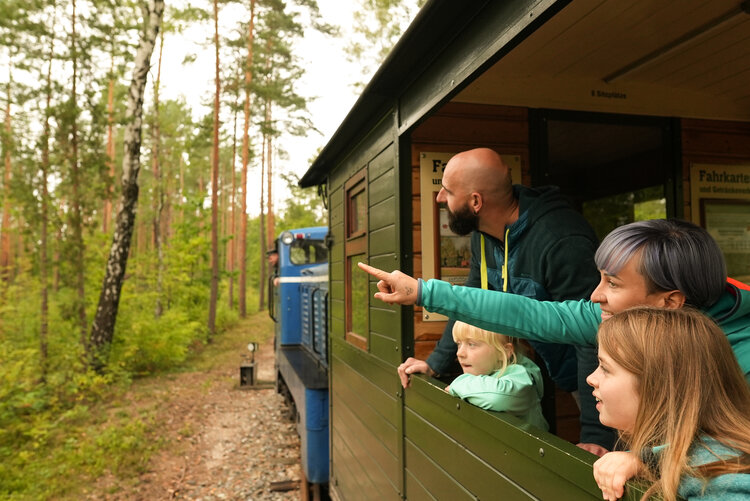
729,487
512,392
567,322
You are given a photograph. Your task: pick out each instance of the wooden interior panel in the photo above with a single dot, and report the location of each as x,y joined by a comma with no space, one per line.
649,57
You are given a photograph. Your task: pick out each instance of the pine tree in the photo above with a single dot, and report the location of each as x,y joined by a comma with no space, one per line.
215,187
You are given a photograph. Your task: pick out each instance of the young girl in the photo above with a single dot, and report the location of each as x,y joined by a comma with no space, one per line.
670,383
496,375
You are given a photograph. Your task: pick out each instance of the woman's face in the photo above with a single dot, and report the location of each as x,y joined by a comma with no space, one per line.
476,357
622,290
616,393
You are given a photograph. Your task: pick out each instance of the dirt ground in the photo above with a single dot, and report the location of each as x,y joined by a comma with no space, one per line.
222,441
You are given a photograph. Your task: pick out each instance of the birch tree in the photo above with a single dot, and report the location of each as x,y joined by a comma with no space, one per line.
102,331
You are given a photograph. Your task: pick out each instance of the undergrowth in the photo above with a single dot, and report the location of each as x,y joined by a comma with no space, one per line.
60,434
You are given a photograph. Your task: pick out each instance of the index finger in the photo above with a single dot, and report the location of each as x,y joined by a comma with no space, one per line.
375,272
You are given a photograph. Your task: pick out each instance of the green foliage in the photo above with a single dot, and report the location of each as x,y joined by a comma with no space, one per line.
378,25
46,439
65,448
152,344
304,207
606,214
49,435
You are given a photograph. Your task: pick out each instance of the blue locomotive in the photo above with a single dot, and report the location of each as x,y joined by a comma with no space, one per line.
298,304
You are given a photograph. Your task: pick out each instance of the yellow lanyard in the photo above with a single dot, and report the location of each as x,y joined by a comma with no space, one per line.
483,268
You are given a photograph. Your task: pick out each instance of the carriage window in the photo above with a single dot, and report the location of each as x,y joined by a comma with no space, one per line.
308,252
357,210
359,296
357,282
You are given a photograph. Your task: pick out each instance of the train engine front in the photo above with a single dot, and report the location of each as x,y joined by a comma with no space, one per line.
298,293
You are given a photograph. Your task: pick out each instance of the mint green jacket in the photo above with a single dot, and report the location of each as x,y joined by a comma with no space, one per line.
517,391
571,322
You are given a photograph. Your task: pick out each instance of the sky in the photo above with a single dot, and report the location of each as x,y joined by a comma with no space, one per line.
328,79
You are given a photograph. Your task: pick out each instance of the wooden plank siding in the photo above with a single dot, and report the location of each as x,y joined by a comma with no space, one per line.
366,409
468,450
457,127
466,77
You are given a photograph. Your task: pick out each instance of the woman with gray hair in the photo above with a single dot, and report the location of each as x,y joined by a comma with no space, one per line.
662,263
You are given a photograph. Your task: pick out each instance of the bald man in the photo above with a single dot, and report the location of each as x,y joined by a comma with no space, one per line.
550,256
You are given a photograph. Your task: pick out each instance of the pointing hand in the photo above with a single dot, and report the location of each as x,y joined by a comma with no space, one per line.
393,287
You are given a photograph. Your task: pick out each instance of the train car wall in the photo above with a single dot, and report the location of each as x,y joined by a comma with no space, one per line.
366,412
421,443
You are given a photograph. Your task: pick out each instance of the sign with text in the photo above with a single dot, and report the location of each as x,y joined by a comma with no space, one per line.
720,201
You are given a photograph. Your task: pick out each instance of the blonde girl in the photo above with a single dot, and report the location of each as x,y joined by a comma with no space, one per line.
497,376
670,383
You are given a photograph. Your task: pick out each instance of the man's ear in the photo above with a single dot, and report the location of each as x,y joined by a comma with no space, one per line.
674,299
476,202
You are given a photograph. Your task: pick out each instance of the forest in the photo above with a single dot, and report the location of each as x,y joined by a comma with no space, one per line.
129,238
125,235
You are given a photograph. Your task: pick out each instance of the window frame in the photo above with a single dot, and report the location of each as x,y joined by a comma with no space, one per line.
355,245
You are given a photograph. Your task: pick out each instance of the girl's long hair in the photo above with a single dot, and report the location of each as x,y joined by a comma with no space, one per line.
690,386
463,331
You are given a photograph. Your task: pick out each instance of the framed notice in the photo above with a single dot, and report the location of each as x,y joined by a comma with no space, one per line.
728,221
720,202
445,255
714,182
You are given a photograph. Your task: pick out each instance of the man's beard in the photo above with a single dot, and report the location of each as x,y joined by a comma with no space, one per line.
463,221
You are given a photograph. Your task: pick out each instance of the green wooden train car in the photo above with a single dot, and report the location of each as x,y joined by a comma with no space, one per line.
636,109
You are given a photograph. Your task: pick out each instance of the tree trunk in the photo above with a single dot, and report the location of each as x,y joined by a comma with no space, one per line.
158,193
242,286
167,197
5,258
182,190
232,243
262,231
271,221
56,256
266,161
76,217
43,317
215,190
107,211
102,331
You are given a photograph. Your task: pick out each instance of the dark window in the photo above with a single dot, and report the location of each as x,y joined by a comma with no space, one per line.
308,252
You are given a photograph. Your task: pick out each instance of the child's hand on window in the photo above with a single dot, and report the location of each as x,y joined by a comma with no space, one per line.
448,389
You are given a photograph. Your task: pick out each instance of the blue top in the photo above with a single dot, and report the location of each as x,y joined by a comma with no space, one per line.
729,487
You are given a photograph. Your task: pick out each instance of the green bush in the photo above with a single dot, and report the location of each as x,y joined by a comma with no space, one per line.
144,344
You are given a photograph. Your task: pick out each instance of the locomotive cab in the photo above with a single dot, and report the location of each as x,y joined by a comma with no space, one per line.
298,293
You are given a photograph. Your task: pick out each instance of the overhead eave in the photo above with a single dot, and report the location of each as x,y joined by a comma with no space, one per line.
437,26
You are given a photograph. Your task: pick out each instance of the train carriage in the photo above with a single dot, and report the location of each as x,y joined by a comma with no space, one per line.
636,109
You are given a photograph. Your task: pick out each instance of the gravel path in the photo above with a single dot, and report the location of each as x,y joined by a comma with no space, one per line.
222,442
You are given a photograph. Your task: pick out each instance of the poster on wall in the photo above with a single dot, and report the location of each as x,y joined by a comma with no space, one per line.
445,255
720,200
